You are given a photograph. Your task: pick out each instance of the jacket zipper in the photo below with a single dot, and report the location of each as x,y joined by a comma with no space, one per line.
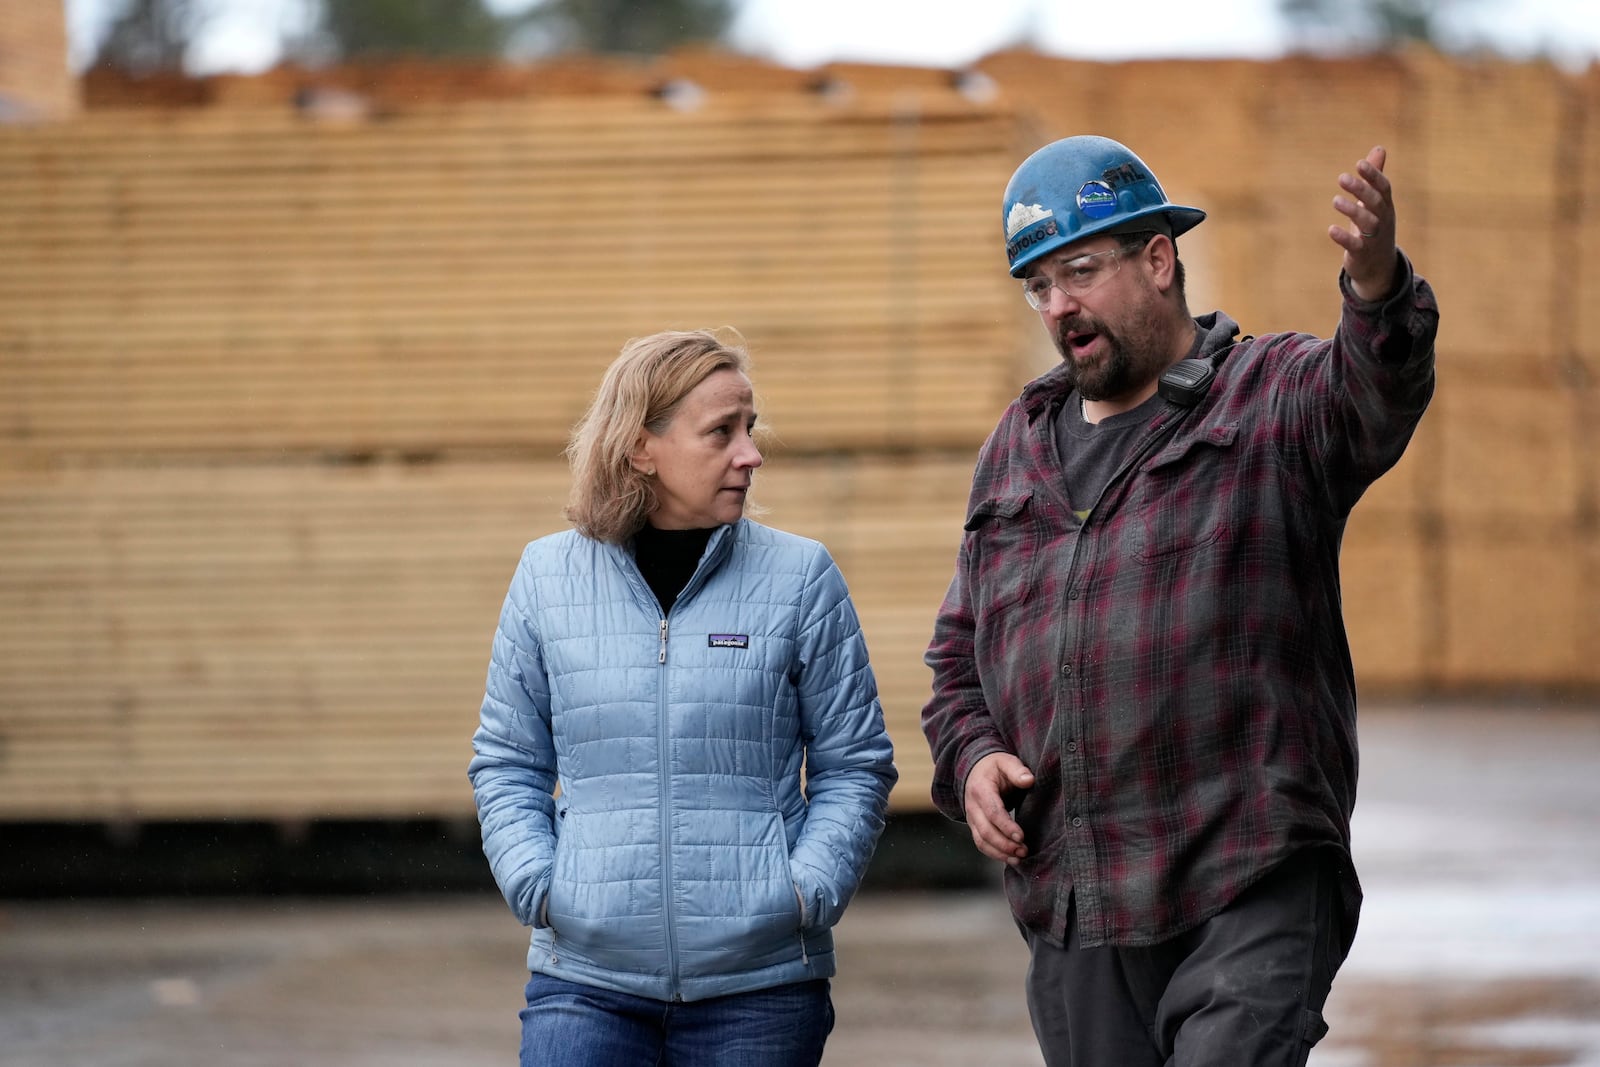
664,756
664,749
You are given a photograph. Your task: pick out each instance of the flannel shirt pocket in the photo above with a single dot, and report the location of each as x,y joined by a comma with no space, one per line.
1183,502
1004,540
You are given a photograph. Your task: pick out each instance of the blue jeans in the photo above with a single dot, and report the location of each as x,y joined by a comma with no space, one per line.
570,1025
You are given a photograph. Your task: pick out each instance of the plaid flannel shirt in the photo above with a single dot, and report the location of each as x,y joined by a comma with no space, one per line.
1175,671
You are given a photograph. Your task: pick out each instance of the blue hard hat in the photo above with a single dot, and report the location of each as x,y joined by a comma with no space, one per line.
1078,187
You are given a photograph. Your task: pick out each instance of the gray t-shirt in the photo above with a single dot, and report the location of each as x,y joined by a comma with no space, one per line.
1091,453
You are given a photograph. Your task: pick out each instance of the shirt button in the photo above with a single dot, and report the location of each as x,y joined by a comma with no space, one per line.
1073,594
1072,746
1077,821
1066,670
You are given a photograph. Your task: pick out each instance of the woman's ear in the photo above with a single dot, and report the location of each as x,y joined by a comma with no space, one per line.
640,456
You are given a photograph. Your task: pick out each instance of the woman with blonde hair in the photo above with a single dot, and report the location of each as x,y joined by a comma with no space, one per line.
660,676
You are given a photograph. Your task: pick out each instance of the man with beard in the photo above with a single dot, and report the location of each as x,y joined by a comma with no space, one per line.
1143,700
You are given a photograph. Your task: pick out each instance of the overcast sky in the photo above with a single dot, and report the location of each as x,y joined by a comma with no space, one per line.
950,33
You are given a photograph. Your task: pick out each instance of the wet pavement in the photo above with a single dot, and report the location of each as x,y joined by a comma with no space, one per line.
1477,837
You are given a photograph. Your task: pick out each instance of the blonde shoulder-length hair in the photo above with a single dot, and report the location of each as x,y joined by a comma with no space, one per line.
641,390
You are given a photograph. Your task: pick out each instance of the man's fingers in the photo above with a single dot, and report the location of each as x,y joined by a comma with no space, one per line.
1011,773
1363,194
995,840
1374,177
1363,215
1342,237
1367,201
998,821
994,831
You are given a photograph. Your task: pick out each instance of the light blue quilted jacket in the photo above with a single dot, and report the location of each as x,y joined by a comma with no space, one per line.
681,859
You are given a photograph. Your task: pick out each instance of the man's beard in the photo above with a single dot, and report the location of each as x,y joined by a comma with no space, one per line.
1128,364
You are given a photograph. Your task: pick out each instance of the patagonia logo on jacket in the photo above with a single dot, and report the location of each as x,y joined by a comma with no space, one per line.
727,640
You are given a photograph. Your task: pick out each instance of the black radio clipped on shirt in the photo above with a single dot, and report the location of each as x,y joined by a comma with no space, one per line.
1186,381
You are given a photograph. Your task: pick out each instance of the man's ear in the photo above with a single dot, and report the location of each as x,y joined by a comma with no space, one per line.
1161,258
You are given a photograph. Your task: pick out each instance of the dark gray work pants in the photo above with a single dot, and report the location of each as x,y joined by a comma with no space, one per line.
1243,989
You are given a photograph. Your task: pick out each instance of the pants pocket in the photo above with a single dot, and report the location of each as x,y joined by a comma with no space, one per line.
1313,1028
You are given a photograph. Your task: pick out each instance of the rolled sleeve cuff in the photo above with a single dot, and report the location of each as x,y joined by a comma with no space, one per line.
1402,324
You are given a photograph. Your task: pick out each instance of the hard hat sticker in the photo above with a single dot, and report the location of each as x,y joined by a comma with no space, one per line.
1096,200
1025,215
1124,174
1041,231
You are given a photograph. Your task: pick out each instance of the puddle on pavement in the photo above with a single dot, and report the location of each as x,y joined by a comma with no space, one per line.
1525,1023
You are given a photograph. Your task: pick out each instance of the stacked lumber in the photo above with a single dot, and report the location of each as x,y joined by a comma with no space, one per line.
281,641
283,391
399,85
281,399
225,281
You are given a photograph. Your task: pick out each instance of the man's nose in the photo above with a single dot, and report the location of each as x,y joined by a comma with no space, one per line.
1060,303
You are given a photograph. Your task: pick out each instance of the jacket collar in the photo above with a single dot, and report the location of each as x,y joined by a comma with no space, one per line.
716,553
